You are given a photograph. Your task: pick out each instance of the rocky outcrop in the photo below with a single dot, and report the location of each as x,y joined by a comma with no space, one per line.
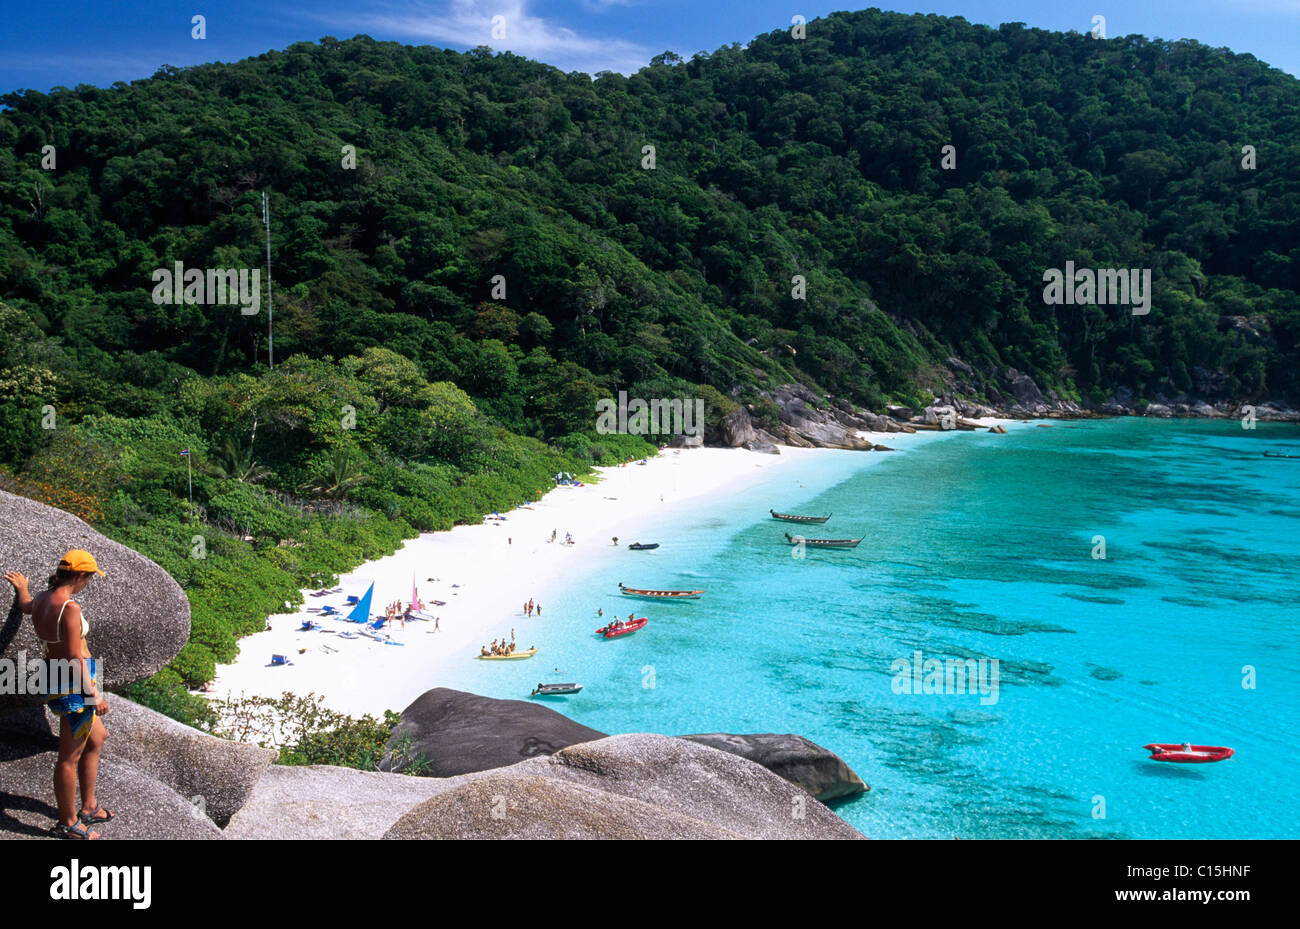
766,447
736,428
144,807
624,787
805,423
461,732
139,617
215,774
324,802
806,764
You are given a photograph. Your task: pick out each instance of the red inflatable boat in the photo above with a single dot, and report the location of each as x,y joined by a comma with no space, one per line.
1188,754
610,632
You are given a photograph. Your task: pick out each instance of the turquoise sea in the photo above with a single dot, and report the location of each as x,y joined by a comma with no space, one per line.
981,546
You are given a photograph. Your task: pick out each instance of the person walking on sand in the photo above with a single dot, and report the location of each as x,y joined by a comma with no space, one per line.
539,611
62,629
553,535
436,621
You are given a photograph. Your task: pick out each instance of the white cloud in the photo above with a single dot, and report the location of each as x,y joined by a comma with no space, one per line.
469,23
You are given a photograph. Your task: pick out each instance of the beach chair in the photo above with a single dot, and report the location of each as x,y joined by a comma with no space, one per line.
353,599
279,660
379,623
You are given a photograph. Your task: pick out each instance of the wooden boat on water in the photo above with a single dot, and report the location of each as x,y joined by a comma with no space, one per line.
1279,455
613,631
555,690
659,594
792,518
643,546
823,543
514,656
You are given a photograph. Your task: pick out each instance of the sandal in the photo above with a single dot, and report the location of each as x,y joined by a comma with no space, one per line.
60,831
94,819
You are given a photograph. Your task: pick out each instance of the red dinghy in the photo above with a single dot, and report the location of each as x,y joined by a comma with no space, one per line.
1187,754
610,632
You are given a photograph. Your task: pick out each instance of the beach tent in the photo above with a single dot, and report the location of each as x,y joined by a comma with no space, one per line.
361,612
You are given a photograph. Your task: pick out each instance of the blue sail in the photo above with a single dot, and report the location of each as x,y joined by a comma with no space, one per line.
361,612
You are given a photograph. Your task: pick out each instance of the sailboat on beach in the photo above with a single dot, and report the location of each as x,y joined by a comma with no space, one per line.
361,612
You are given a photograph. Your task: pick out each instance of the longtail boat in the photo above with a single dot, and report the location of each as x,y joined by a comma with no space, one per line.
1279,455
659,594
823,543
791,518
513,656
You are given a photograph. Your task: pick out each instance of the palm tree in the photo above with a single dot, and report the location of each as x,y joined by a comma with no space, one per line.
341,478
237,463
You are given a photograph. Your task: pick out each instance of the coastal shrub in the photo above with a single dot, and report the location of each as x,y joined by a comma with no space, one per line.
165,693
305,732
248,510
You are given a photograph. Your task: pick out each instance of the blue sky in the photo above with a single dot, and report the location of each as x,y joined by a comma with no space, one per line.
73,41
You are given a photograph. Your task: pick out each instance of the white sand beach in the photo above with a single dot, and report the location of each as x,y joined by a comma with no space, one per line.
483,579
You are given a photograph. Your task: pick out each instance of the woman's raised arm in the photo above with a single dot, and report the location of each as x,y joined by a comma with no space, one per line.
20,587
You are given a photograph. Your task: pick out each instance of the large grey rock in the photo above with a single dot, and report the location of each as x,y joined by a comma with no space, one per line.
324,802
460,732
766,448
817,770
196,765
816,427
626,786
139,617
144,807
736,428
29,724
510,804
1023,388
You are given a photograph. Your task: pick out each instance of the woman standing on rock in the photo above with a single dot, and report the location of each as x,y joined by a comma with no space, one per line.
62,629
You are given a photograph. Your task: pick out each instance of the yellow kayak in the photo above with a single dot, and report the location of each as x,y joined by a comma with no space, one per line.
517,656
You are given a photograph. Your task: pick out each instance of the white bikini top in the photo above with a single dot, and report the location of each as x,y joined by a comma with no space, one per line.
58,628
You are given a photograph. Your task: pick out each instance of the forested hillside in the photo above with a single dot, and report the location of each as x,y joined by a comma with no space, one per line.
818,157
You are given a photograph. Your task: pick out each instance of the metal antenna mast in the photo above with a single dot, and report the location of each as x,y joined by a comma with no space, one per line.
270,307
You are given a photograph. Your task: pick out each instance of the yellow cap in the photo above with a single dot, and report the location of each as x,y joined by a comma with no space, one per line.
80,560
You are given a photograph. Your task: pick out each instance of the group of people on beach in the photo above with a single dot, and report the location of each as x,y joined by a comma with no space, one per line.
395,612
568,537
530,608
